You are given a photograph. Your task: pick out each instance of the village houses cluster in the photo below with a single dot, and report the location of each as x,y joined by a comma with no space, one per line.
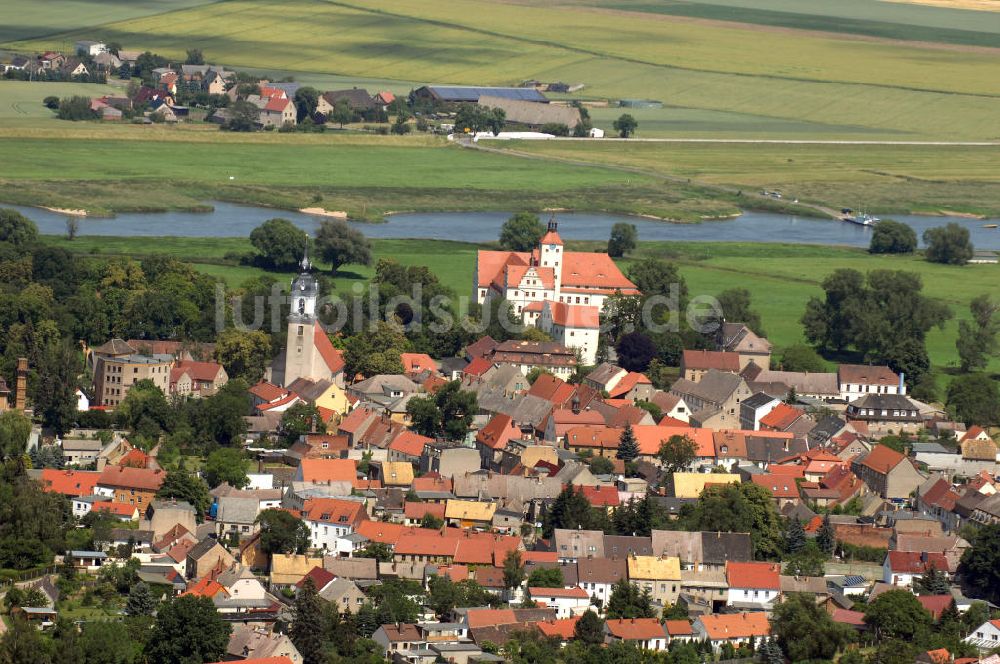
370,481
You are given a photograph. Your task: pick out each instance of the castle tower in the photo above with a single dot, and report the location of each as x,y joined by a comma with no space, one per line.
550,252
300,354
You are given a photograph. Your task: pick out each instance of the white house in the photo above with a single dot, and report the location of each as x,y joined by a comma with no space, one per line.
901,567
82,402
645,633
91,48
735,629
753,585
986,636
567,602
598,575
329,519
82,505
857,380
576,327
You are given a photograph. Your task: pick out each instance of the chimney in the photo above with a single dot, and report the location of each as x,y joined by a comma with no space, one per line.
21,390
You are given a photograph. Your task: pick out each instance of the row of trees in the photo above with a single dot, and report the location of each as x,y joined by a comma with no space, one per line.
948,244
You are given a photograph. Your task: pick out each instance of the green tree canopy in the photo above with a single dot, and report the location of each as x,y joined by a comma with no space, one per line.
572,510
980,565
739,508
635,351
17,229
897,614
805,631
623,240
589,629
375,351
244,354
677,453
800,357
181,485
628,446
521,232
15,429
627,601
546,577
282,532
338,244
280,244
226,465
948,244
736,307
625,125
309,624
893,237
975,399
188,629
977,339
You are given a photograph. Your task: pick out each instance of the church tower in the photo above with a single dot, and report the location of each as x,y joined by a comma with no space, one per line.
550,252
300,353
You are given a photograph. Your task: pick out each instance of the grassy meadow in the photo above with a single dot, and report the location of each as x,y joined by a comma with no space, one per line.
781,278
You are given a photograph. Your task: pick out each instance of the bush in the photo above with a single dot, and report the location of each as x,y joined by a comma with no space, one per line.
51,102
555,128
75,108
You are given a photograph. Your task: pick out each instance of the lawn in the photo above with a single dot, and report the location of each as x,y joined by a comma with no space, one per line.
823,83
781,278
888,179
21,102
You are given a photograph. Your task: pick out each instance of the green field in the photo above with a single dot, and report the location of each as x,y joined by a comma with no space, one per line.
888,179
781,278
21,102
790,82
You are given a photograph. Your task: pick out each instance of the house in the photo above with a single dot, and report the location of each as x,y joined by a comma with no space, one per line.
755,408
644,633
598,575
856,380
287,569
190,378
785,417
696,363
887,473
885,413
533,282
326,471
783,488
72,483
117,366
399,640
135,486
714,399
330,518
248,643
343,593
901,567
91,48
753,585
236,517
660,575
573,545
357,99
567,602
740,339
470,513
735,629
205,556
80,451
555,358
690,485
986,637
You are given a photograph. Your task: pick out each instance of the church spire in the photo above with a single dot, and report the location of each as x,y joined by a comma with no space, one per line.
306,264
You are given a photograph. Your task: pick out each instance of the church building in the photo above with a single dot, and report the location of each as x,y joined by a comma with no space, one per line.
561,292
308,352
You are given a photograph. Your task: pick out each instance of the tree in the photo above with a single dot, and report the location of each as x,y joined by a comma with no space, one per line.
546,577
739,508
826,539
188,629
17,229
375,351
472,119
75,108
243,116
804,631
601,466
306,99
377,550
677,453
627,601
893,237
635,351
571,510
974,399
555,128
806,561
628,446
513,570
800,357
948,244
623,239
795,536
15,429
431,522
308,624
589,629
282,532
653,276
897,614
301,418
342,113
932,582
625,125
194,57
23,644
244,354
220,417
339,244
980,564
977,339
181,485
226,465
51,102
145,410
280,243
735,306
521,232
140,601
400,126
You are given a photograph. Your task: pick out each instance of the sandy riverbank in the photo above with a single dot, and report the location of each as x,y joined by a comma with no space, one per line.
322,212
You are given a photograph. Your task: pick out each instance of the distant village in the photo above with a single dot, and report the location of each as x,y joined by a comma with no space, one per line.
567,506
171,93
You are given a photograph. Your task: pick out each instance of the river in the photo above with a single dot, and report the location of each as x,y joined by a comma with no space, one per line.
229,220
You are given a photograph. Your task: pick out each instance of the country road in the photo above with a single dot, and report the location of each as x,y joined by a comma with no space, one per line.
766,141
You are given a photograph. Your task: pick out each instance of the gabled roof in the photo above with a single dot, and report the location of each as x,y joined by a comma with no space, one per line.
711,359
200,371
497,432
332,357
735,626
410,443
753,575
914,562
636,629
568,593
859,374
333,511
69,482
574,315
131,478
416,362
629,381
320,576
563,628
781,417
600,496
780,486
267,392
881,459
329,470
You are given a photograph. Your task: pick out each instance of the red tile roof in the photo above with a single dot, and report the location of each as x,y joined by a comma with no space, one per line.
626,384
332,357
414,510
574,315
593,270
859,374
636,629
576,592
124,477
268,392
551,237
780,486
477,367
882,459
417,362
551,388
355,420
334,511
498,431
540,556
69,482
563,629
935,604
200,371
489,617
320,576
409,443
119,509
205,587
329,470
711,359
736,626
753,575
650,438
847,617
432,482
782,417
678,627
600,496
915,562
382,531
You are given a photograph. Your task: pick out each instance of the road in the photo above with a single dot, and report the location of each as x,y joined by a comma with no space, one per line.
767,141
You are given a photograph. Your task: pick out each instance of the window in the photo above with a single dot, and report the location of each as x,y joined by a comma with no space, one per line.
300,331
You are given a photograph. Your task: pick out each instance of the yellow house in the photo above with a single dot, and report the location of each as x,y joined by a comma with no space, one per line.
469,513
288,569
396,473
334,398
660,575
690,485
532,454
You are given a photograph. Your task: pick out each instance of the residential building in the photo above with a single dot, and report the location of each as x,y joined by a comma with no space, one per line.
567,602
554,357
740,339
887,473
190,378
135,486
696,363
330,518
886,412
753,585
714,399
660,575
901,567
735,629
644,633
117,366
856,380
598,575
